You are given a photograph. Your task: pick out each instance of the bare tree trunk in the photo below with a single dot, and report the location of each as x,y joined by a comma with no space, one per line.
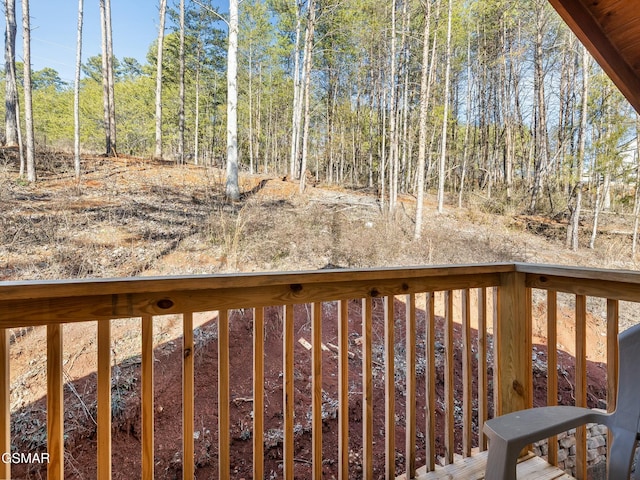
158,149
105,80
574,222
28,108
443,153
20,141
112,97
507,115
636,203
11,92
258,127
296,111
76,93
405,49
181,88
596,213
424,106
541,142
308,56
430,81
606,191
232,187
393,137
383,148
465,153
12,99
196,135
250,94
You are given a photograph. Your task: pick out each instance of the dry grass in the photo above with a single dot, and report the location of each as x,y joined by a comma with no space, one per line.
130,217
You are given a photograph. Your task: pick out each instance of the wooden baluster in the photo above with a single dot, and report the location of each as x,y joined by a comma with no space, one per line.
55,403
483,408
581,384
343,390
410,407
367,389
552,366
187,396
528,346
496,325
287,392
147,399
104,400
258,393
430,383
467,384
612,360
449,388
389,389
223,396
316,386
5,403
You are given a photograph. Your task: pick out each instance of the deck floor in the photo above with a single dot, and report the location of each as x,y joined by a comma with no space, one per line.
530,467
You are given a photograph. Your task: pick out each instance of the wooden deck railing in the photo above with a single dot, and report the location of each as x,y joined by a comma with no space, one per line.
482,314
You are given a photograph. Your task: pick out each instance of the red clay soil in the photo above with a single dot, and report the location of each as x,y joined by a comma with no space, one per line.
80,443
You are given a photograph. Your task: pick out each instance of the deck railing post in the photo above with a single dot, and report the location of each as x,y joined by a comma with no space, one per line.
512,356
5,403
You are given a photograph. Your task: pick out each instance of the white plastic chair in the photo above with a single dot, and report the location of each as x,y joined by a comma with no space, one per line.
509,434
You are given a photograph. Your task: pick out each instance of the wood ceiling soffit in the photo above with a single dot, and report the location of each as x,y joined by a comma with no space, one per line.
605,50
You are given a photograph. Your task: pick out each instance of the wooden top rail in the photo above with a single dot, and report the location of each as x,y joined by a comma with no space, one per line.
611,284
41,303
28,303
584,273
40,289
29,289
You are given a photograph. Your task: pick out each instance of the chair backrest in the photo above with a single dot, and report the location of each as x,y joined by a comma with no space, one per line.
628,401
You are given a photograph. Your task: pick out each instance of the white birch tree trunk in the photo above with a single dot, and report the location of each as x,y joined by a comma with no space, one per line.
297,103
181,119
445,117
28,107
158,148
232,187
424,108
111,80
76,93
582,140
307,87
393,137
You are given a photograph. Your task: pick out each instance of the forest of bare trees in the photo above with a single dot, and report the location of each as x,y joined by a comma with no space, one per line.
490,99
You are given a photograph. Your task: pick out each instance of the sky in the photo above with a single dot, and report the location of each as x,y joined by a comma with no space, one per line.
54,30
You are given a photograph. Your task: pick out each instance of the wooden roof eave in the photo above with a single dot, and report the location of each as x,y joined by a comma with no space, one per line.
592,35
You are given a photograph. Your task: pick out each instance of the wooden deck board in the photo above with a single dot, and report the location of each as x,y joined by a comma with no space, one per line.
530,467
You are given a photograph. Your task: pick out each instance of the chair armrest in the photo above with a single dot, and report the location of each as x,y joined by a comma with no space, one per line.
531,425
509,434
